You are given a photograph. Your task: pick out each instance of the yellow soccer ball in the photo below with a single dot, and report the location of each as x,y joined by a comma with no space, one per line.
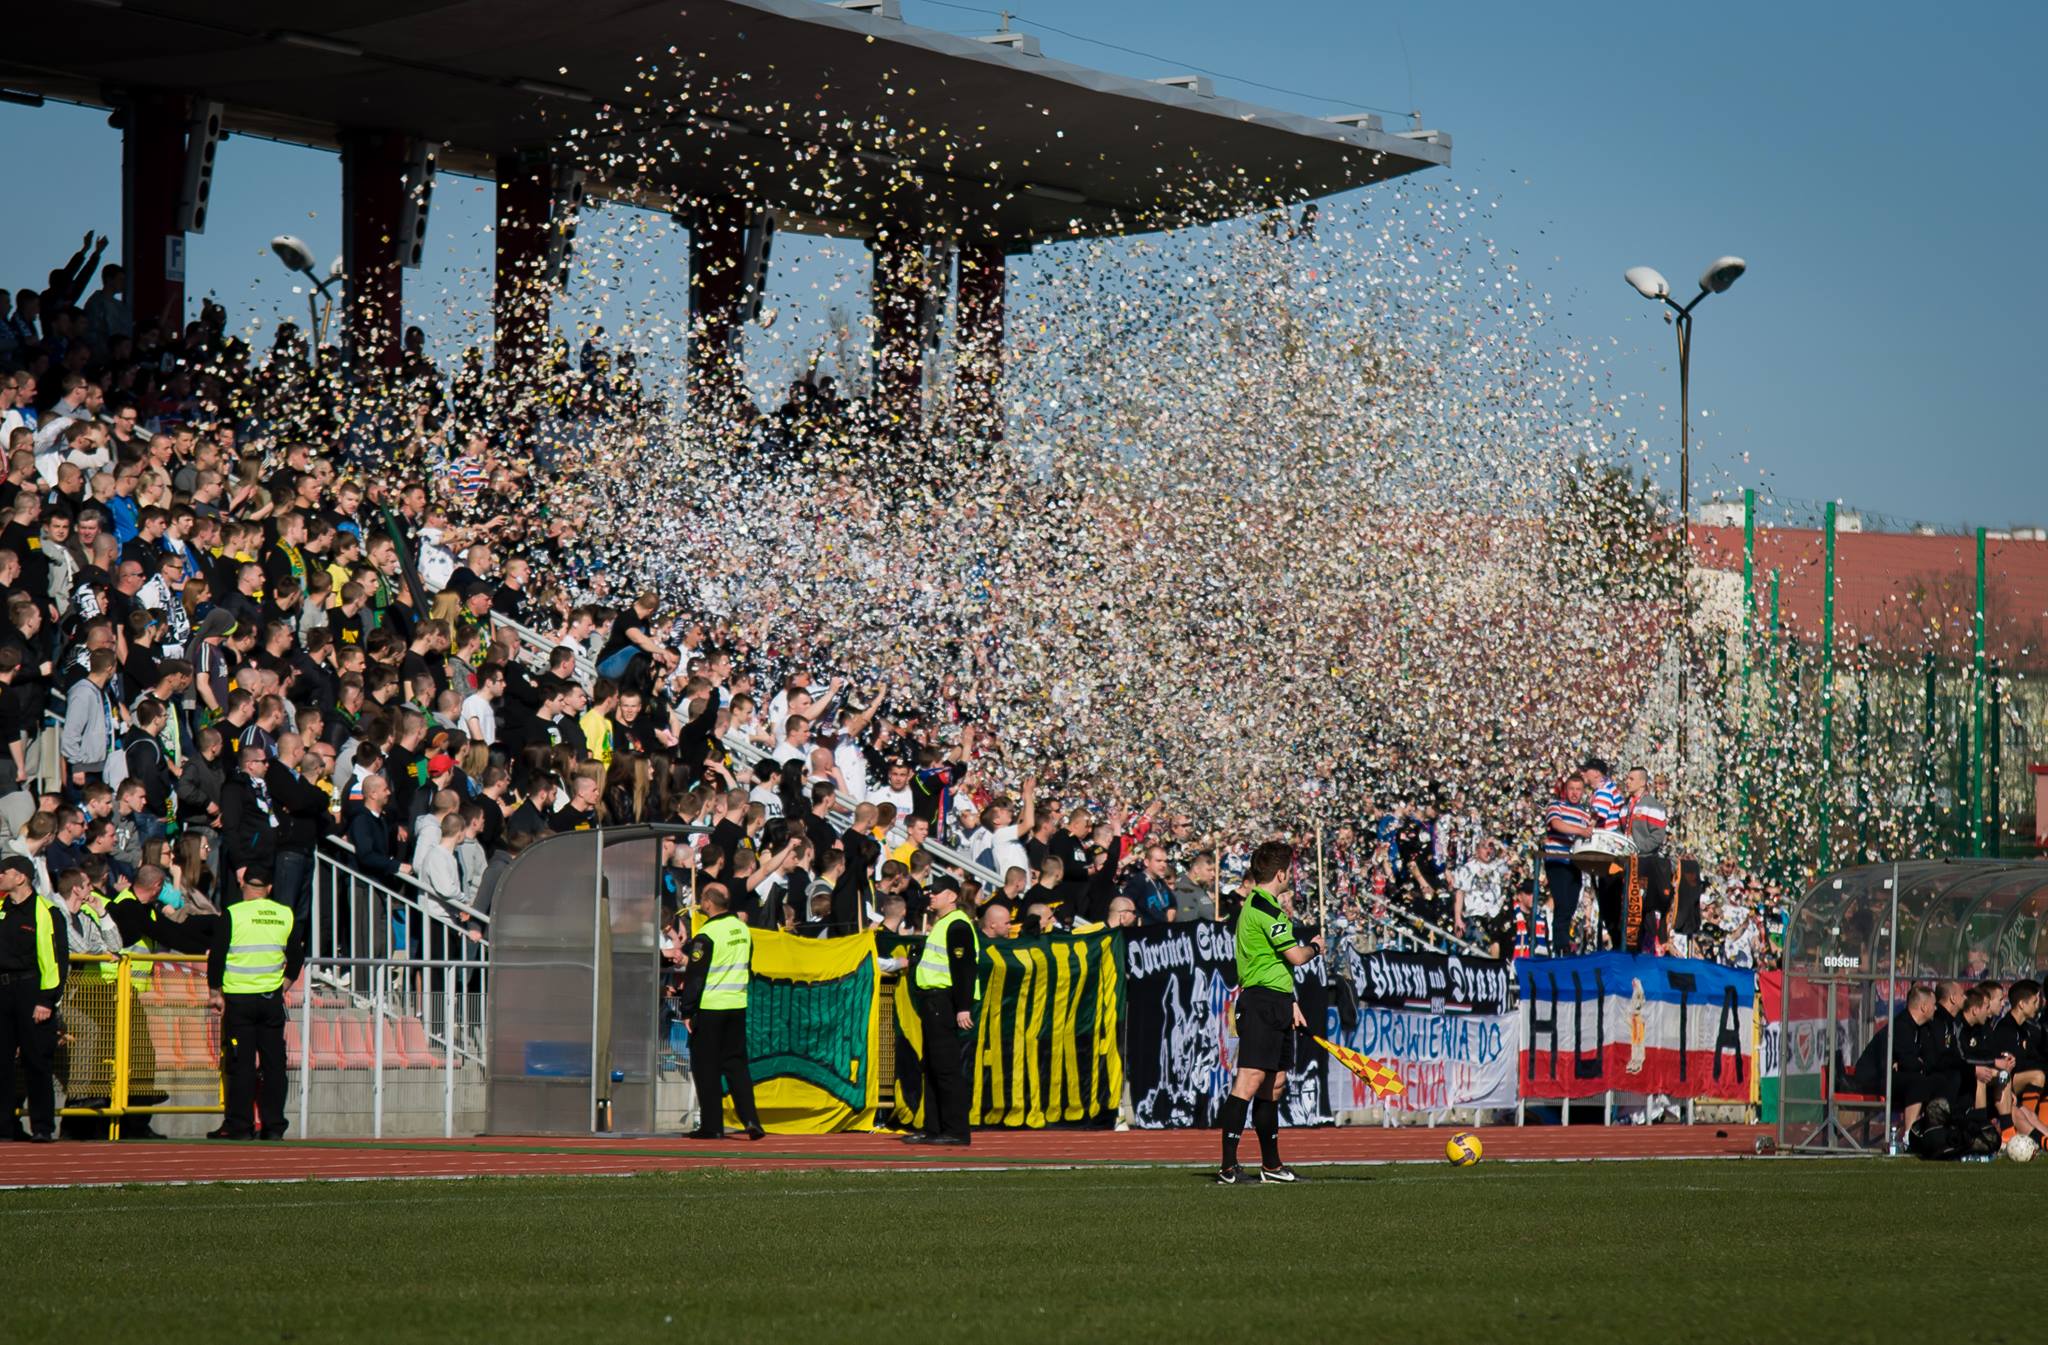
1463,1149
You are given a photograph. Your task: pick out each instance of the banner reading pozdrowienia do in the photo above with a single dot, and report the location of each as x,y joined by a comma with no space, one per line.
1050,1019
1622,1022
813,1033
1441,1021
1181,1038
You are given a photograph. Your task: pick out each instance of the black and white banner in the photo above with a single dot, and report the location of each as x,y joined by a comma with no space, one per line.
1180,1041
1437,982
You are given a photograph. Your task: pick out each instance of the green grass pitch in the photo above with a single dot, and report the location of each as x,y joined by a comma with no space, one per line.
1567,1252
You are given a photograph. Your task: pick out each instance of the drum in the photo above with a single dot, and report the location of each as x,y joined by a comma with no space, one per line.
1603,852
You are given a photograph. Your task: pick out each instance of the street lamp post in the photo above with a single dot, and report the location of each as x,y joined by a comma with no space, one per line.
298,259
1651,284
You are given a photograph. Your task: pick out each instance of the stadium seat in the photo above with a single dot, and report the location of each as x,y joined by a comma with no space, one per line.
396,1052
353,1041
163,1035
419,1052
326,1043
198,1043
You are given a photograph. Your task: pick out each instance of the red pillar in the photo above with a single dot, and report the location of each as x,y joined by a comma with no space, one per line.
979,378
900,283
372,195
152,173
718,235
519,300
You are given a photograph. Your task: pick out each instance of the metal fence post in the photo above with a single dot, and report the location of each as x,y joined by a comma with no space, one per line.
124,1050
305,1046
448,1055
379,978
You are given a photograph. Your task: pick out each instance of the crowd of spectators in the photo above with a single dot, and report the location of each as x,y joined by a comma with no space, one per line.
245,615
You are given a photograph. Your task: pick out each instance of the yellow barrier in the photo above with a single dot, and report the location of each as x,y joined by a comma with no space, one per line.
136,1032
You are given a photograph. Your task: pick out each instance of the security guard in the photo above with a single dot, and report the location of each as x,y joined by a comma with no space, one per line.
714,1009
256,954
946,986
35,957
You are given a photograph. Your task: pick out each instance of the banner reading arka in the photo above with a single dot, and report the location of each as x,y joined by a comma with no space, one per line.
1046,1052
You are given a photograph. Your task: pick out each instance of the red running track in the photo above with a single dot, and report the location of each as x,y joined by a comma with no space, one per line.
164,1161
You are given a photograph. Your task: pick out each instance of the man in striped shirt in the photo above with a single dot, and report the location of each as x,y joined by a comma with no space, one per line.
1647,823
1565,822
1610,889
1606,795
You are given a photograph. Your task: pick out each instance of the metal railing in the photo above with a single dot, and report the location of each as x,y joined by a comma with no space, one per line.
388,981
841,817
535,648
361,923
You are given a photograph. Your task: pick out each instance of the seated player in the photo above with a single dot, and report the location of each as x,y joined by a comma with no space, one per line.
2017,1047
1902,1037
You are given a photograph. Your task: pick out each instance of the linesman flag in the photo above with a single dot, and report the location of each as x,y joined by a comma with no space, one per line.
1383,1081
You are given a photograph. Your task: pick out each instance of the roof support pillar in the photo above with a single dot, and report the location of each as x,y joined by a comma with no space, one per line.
520,290
718,282
372,198
152,175
903,282
979,338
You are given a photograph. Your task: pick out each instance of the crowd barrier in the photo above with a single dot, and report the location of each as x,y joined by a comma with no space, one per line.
134,1034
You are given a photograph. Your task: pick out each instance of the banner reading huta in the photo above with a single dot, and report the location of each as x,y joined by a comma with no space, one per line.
1621,1022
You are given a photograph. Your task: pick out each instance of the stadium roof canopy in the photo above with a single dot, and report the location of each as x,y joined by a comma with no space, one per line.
1054,150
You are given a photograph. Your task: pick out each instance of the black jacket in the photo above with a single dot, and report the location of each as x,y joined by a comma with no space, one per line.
246,834
1941,1044
147,763
371,835
18,947
1907,1059
301,809
2023,1042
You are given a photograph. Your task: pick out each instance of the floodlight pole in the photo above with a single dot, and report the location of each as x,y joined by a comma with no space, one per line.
1684,324
1651,285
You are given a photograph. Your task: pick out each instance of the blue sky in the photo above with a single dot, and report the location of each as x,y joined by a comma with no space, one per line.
1877,166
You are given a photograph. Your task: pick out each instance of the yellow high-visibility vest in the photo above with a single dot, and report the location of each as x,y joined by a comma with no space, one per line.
258,931
934,968
732,956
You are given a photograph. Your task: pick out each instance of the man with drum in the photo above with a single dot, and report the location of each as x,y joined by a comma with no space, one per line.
1610,881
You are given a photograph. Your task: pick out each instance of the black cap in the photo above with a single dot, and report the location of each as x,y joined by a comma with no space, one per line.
19,865
254,877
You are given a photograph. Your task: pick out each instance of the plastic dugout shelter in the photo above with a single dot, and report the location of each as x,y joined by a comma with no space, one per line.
1857,942
575,984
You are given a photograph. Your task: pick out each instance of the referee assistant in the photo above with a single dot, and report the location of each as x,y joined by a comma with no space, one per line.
1267,1015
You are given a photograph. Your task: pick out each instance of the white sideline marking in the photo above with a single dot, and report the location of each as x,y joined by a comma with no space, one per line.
838,1168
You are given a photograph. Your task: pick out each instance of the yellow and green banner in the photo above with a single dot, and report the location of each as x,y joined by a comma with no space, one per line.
813,1033
1047,1040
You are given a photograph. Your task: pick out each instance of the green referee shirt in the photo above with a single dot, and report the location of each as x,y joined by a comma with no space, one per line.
1263,933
